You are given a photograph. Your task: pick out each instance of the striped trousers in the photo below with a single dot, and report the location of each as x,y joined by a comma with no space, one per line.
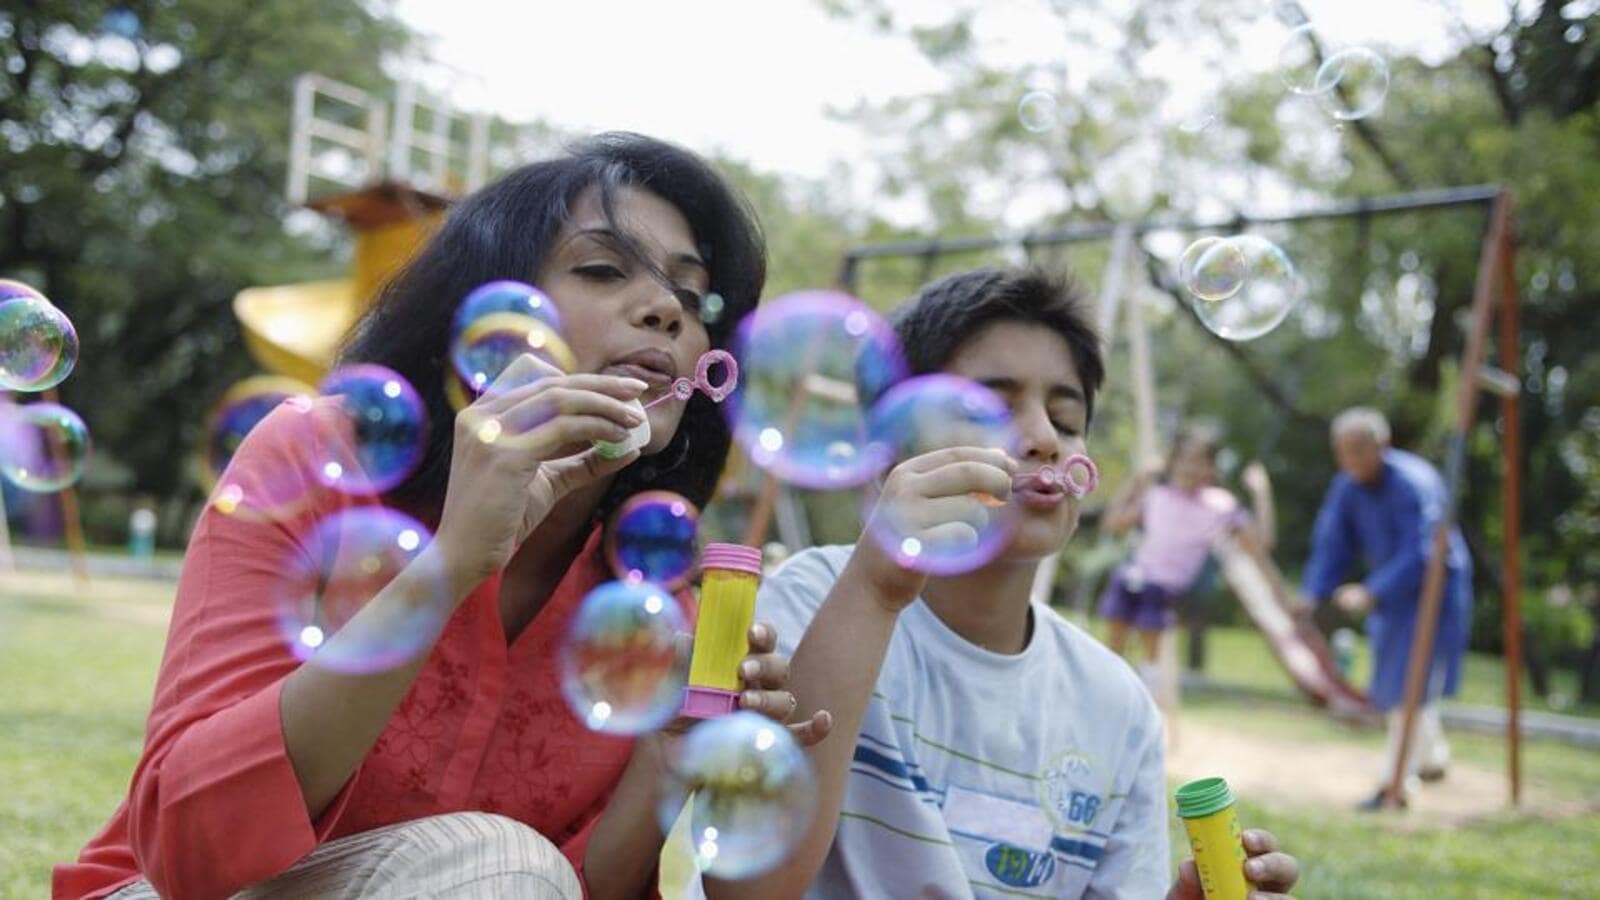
465,855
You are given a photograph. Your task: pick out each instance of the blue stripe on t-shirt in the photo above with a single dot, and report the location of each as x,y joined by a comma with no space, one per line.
1071,847
894,767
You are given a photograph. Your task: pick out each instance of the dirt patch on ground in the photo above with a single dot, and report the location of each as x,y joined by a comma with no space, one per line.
1292,774
139,600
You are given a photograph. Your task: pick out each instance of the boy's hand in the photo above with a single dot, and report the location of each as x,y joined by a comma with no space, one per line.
1271,873
933,496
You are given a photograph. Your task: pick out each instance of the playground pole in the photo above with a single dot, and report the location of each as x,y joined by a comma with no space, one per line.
1511,602
1491,266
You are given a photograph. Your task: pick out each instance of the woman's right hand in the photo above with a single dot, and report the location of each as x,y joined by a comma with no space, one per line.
519,449
936,495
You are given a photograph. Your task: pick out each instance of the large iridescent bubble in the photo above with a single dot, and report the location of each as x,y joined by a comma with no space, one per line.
812,363
623,661
654,537
1270,290
494,325
244,405
945,535
751,793
44,447
38,345
339,566
1353,83
382,435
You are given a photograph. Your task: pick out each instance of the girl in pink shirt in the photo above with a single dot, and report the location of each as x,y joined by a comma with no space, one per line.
1179,517
458,770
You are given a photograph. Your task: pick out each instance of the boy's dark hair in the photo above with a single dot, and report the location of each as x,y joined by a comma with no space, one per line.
947,313
504,231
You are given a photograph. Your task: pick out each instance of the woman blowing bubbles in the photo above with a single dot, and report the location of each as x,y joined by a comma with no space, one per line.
462,766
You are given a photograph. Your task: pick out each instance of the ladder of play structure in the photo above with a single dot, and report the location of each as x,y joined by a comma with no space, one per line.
1295,641
386,168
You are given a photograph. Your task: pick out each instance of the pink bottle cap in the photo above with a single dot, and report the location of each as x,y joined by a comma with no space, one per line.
708,703
733,557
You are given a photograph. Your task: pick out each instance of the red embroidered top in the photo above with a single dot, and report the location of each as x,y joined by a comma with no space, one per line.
214,805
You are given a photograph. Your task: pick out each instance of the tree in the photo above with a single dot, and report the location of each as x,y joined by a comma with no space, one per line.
143,150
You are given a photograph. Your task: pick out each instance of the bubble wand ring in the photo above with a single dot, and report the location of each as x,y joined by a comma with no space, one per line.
1064,476
684,388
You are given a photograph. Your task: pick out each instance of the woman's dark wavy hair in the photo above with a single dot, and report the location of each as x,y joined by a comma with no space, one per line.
505,230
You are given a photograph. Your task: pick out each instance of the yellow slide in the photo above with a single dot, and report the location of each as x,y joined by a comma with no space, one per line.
296,329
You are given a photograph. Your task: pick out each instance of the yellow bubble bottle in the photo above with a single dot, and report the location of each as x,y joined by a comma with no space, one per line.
730,574
1207,810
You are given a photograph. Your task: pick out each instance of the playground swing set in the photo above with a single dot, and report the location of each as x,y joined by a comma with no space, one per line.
1253,577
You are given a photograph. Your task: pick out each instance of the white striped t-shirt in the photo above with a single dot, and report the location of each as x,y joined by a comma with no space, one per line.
981,774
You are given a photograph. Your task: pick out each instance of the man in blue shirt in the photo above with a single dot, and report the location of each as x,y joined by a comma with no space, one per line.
1384,507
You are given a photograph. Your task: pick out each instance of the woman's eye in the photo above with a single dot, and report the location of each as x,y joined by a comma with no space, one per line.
689,298
1065,429
602,271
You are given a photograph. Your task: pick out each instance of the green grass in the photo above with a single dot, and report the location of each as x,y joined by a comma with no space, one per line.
74,690
75,686
1351,855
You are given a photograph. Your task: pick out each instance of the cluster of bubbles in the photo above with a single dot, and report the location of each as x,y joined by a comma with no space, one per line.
44,447
1348,82
1242,286
825,404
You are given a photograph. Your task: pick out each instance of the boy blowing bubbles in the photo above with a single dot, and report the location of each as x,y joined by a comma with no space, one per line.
981,744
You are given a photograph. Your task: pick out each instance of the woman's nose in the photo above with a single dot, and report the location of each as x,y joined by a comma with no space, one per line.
658,310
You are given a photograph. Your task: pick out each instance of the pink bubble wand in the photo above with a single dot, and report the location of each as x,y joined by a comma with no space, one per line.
1064,476
684,388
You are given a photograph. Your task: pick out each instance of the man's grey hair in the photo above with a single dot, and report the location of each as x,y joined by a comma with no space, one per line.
1362,420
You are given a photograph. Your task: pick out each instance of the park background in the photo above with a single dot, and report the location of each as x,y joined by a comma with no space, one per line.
143,153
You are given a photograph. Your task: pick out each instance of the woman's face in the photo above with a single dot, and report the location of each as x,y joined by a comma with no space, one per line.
617,315
1031,367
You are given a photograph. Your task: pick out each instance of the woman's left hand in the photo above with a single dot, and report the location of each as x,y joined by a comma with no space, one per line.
1271,872
765,677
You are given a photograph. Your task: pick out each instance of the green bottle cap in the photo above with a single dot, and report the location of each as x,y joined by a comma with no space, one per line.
1202,797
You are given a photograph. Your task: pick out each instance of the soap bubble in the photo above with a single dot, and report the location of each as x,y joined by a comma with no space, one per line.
1223,273
951,534
1039,111
491,342
382,435
654,538
1299,59
811,365
1270,290
1353,83
754,794
338,567
623,669
38,345
44,447
241,409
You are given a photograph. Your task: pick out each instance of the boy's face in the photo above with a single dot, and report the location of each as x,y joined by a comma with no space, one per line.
1031,367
